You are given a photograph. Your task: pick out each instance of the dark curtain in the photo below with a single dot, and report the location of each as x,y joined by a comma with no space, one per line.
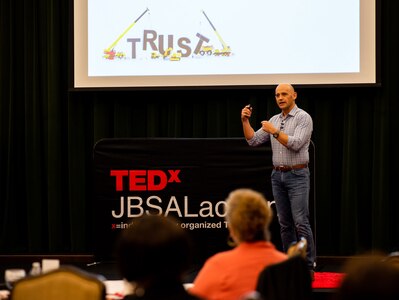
47,134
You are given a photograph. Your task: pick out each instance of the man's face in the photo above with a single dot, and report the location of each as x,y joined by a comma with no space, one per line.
285,97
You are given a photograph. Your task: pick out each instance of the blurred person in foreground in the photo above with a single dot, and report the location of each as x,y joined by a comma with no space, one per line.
369,277
153,254
232,274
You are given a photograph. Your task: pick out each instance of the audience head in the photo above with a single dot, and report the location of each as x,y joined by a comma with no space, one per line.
153,248
393,258
370,277
248,216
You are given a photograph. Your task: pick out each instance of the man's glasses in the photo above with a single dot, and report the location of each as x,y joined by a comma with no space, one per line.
282,125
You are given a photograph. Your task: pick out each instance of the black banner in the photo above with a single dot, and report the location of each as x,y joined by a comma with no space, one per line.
187,178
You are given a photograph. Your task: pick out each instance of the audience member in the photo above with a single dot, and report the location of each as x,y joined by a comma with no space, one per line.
153,254
393,258
288,280
4,294
370,277
232,274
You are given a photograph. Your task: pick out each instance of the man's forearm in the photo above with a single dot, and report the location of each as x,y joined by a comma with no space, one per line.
248,130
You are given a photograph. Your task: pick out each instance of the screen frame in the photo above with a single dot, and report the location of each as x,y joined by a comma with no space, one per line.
235,81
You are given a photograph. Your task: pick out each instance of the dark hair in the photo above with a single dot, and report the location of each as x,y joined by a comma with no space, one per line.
153,247
370,277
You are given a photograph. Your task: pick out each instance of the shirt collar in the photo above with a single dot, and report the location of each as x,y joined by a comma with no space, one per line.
292,112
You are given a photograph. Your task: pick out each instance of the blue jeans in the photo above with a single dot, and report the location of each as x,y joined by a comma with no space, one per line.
291,194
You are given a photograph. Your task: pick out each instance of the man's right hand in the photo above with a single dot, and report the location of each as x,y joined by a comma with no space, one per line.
246,112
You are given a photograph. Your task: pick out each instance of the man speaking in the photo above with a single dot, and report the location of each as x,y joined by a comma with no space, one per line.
289,132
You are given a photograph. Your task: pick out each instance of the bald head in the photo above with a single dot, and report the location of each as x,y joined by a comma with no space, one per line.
286,86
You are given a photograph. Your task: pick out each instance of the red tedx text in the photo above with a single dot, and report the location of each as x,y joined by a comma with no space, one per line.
144,180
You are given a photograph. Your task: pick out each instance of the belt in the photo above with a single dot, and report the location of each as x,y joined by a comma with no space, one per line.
290,168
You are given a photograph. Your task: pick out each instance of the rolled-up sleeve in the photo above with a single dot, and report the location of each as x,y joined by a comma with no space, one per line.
302,133
260,137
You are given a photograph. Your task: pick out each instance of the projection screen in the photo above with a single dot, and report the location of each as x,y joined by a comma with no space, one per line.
180,43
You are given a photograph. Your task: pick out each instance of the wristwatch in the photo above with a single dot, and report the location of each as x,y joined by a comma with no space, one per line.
276,134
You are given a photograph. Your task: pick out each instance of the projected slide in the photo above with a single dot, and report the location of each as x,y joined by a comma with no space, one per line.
180,37
178,43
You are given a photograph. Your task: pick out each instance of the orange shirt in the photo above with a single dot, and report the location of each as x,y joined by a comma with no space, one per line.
231,274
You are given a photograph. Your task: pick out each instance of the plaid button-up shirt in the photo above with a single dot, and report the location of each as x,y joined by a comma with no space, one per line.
298,125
